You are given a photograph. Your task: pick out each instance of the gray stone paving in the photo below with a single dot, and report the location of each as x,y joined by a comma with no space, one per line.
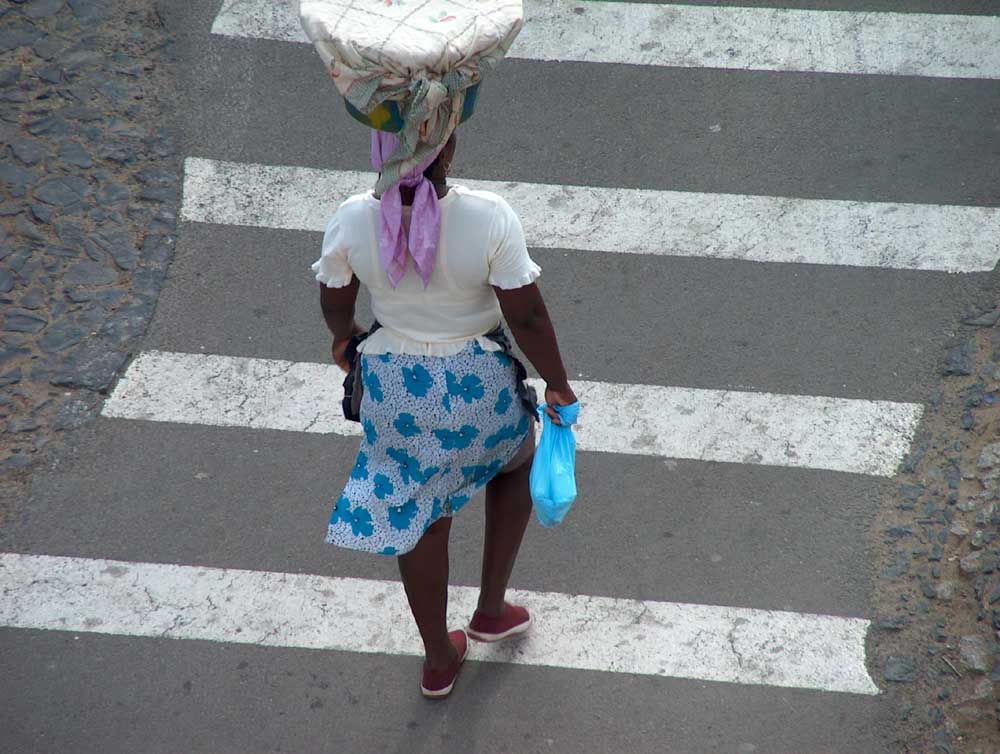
89,189
938,580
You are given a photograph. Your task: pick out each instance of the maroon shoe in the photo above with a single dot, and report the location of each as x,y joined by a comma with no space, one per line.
514,620
437,685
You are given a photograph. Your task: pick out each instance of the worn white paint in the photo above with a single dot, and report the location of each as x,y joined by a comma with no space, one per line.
857,436
690,36
703,642
229,391
635,221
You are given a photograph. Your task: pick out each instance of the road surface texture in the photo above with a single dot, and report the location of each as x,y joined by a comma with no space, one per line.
761,228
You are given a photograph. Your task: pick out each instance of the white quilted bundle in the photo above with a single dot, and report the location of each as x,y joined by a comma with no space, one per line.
422,54
398,40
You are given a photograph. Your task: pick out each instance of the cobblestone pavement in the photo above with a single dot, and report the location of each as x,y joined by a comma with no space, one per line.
938,566
89,185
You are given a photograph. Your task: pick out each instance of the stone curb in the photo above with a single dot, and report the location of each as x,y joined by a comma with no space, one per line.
89,189
935,646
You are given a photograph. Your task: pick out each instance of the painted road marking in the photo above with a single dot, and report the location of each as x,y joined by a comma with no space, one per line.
838,434
702,642
690,36
635,221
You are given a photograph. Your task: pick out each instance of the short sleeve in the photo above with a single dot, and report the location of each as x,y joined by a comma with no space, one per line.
332,268
510,265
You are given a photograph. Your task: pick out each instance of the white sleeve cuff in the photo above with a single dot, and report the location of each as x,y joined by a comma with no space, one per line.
508,281
332,272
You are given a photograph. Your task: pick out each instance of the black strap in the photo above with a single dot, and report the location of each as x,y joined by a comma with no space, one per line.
525,393
353,384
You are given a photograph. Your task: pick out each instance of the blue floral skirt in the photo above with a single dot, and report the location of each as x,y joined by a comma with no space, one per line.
436,430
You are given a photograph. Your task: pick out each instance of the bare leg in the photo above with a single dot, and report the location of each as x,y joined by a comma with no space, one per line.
508,508
425,578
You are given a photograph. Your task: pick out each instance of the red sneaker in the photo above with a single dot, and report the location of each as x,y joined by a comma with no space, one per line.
437,685
514,620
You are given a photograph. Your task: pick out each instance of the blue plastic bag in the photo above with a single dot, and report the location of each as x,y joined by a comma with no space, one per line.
553,471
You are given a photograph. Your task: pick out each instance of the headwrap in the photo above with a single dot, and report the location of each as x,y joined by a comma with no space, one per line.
425,221
412,69
421,58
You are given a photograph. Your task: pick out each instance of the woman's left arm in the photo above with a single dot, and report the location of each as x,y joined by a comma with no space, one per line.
338,312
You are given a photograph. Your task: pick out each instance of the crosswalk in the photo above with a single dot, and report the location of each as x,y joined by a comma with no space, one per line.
839,440
763,39
729,426
635,221
702,642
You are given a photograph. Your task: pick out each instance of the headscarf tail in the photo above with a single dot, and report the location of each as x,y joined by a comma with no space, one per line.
425,220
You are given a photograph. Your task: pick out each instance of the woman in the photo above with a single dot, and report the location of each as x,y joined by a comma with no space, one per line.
444,412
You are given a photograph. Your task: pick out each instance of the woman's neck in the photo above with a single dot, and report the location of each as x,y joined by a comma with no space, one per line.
406,193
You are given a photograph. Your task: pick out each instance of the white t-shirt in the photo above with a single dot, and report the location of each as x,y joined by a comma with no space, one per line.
481,245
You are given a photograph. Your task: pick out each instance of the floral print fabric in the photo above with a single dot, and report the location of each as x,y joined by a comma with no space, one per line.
435,431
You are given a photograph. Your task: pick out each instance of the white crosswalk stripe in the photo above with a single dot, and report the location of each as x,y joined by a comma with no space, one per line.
857,436
705,642
634,221
768,39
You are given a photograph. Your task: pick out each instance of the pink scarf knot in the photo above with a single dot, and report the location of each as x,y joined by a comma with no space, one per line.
421,244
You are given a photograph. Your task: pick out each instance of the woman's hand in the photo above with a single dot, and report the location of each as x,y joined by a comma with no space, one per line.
338,311
529,322
558,395
339,348
339,351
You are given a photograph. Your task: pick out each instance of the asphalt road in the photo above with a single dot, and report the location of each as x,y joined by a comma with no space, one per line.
644,528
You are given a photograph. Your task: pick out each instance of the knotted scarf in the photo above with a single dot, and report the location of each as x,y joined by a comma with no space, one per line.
421,244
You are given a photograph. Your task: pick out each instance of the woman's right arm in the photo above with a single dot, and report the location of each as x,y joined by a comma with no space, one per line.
528,319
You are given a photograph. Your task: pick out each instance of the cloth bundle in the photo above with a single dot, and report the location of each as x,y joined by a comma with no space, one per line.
422,54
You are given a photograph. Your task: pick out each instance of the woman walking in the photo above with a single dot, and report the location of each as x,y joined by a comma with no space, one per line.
445,410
